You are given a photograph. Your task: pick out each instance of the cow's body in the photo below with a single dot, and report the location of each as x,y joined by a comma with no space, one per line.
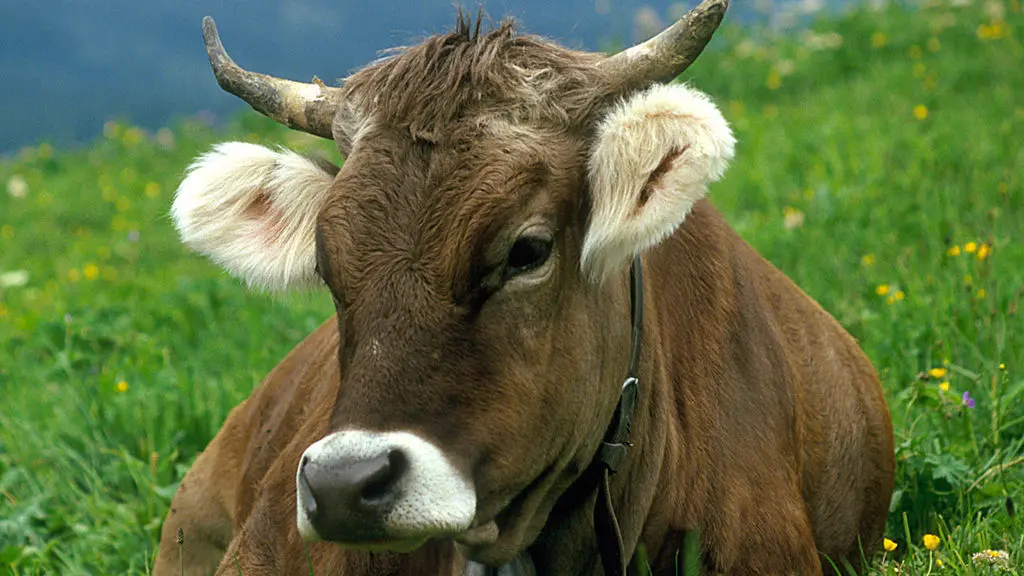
760,424
476,243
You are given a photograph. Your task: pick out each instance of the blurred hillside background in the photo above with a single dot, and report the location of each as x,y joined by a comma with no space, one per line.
68,66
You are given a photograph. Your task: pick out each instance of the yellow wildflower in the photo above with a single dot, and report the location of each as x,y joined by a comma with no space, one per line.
944,386
938,372
74,275
1002,366
3,311
983,251
1003,187
6,232
879,40
91,272
889,545
971,247
938,562
152,190
921,112
930,541
934,45
998,29
914,52
968,279
899,295
919,70
953,251
132,136
774,81
981,293
122,386
882,289
867,260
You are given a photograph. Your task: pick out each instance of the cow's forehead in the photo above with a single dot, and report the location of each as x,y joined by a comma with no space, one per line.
441,204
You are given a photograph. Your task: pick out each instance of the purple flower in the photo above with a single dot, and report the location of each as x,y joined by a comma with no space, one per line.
966,400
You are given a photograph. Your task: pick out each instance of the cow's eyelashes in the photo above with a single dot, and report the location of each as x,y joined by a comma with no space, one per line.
528,253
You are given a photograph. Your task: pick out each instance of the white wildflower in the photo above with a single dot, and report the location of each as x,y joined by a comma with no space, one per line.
13,279
998,559
17,187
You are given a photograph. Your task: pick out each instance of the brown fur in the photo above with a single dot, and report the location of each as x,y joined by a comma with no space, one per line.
760,424
425,89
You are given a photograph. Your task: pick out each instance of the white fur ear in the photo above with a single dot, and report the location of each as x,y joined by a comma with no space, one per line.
652,160
253,211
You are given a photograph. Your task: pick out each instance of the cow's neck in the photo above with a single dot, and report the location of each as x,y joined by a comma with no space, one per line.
568,545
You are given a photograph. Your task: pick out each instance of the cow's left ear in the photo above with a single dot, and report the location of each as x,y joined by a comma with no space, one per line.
652,159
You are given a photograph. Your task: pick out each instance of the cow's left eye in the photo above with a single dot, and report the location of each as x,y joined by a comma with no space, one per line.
528,253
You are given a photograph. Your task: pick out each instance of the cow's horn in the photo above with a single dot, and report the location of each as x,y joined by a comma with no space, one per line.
306,107
665,56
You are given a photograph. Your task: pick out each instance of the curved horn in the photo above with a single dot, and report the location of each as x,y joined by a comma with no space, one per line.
665,56
306,107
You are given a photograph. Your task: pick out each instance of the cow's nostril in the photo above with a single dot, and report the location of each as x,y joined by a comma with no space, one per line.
381,482
306,492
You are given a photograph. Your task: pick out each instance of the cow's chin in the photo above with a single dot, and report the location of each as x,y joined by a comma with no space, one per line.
401,545
497,553
497,539
495,546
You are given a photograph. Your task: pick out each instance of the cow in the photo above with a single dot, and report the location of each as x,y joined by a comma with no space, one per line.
549,349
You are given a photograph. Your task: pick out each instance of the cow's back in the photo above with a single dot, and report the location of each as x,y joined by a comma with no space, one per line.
847,444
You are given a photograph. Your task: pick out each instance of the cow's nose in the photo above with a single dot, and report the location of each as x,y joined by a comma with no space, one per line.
380,491
347,498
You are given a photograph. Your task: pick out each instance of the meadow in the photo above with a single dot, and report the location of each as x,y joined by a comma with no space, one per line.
879,165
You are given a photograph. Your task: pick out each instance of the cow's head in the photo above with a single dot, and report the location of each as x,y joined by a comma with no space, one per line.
475,242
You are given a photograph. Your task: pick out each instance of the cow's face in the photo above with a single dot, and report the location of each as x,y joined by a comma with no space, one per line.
479,360
478,267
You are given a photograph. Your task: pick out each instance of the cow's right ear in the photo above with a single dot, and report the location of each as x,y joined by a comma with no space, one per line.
653,157
253,211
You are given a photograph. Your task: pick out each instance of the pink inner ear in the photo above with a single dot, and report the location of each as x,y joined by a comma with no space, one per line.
269,220
657,175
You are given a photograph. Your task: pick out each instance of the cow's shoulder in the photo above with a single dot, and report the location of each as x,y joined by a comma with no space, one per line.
297,392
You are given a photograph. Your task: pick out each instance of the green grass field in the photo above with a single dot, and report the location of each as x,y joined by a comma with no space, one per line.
880,166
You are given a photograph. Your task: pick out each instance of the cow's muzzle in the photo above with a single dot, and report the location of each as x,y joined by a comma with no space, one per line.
377,491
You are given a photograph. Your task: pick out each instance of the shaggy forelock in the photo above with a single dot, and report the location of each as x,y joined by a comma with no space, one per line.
469,74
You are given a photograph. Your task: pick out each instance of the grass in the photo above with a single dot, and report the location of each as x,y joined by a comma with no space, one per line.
880,166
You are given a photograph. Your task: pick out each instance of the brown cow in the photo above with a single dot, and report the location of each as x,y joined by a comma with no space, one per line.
477,243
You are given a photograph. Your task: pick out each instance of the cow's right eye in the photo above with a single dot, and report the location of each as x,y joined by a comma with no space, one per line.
528,253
